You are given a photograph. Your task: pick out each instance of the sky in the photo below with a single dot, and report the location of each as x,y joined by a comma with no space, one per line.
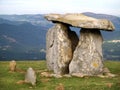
59,6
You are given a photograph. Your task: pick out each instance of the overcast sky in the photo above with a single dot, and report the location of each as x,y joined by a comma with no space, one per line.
59,6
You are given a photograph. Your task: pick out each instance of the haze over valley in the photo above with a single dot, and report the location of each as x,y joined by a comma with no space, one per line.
23,37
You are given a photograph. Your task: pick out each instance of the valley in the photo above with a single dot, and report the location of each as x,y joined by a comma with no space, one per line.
24,37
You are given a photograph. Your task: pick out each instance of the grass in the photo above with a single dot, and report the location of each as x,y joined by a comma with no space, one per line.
8,80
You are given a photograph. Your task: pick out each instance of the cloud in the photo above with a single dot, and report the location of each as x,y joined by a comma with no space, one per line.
58,6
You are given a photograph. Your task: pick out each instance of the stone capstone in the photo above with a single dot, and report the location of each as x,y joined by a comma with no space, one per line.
81,21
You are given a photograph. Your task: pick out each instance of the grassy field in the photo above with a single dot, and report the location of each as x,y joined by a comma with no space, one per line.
8,79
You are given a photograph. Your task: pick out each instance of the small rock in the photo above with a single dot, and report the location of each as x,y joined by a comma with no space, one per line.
30,76
109,84
20,82
101,76
107,73
30,87
20,71
56,75
12,66
78,74
67,75
45,74
106,70
110,75
45,80
60,87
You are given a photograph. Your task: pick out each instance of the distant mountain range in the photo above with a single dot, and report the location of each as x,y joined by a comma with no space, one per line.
23,37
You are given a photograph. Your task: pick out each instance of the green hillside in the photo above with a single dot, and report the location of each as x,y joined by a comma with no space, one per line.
111,50
8,80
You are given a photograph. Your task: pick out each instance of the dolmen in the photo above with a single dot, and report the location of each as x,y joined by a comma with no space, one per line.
68,54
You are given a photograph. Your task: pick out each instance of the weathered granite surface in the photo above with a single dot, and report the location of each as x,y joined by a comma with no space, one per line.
59,48
88,58
68,54
82,21
30,76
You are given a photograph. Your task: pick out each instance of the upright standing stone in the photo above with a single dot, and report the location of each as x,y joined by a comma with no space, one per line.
68,41
12,66
88,58
30,76
50,38
59,49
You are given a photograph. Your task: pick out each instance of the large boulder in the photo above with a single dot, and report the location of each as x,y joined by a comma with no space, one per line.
88,58
59,48
82,21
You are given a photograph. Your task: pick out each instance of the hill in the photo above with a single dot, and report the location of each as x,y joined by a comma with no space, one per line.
23,36
21,41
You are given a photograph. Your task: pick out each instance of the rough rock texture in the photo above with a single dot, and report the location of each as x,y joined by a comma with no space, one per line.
59,48
82,21
66,55
12,66
87,59
30,76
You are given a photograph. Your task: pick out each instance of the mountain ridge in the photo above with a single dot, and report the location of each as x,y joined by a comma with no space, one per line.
24,36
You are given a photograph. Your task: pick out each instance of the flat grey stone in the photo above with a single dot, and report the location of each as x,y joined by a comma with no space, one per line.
82,21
